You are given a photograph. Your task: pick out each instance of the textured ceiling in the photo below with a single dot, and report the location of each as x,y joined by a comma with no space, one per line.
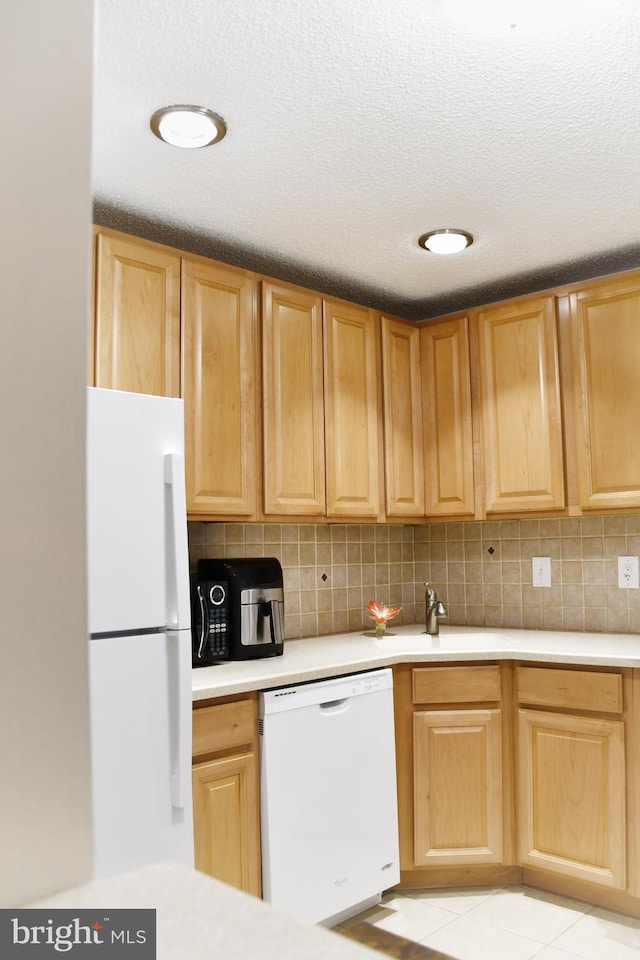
354,126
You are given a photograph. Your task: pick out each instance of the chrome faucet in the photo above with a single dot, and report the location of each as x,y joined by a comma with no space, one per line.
434,610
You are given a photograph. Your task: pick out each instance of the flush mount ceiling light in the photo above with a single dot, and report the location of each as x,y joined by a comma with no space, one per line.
445,241
187,126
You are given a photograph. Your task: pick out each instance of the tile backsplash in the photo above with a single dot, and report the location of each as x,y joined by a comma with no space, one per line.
481,570
330,571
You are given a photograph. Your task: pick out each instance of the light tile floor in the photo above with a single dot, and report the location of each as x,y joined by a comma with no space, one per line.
507,923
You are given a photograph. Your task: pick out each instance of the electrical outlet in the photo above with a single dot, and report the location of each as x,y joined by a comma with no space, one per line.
541,571
628,573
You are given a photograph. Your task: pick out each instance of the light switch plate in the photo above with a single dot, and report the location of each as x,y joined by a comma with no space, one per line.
541,571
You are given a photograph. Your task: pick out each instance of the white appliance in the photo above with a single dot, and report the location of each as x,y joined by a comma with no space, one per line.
328,796
140,639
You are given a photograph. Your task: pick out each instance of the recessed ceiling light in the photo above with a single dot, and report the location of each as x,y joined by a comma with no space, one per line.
187,126
445,241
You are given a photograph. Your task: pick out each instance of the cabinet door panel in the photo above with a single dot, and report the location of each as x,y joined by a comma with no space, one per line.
520,398
606,353
352,411
293,405
219,389
448,439
572,790
402,404
226,828
457,787
137,335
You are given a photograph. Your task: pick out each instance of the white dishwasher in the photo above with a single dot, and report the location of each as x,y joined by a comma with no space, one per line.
329,815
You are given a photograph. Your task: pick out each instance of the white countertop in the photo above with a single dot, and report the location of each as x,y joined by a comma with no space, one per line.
330,656
198,918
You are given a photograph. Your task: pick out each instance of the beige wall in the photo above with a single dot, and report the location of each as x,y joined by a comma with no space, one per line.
45,830
481,570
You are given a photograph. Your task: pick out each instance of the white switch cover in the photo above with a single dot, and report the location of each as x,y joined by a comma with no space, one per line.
628,573
541,571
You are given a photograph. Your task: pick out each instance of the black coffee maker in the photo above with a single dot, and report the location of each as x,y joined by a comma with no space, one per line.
237,610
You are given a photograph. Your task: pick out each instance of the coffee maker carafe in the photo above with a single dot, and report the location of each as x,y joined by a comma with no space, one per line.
238,610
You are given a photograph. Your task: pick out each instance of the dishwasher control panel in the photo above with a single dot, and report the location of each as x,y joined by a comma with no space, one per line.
328,690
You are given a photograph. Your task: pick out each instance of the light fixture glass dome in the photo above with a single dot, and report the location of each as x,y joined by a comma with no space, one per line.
187,126
445,241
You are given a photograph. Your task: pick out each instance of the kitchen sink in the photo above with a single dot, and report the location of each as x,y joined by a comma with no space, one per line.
424,643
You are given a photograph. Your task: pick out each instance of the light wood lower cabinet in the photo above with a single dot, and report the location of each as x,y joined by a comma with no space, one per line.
457,787
571,773
226,806
520,773
454,788
572,796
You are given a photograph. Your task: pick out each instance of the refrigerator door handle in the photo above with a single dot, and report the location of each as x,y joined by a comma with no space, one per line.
179,717
177,552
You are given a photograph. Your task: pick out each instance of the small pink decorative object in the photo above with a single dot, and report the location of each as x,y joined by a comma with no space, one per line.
381,614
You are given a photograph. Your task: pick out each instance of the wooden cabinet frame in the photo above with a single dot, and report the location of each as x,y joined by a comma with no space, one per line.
137,316
447,417
226,802
293,402
402,418
572,796
521,408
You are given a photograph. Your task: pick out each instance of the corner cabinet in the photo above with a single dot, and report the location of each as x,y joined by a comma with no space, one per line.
571,774
352,411
137,316
220,389
226,810
605,328
520,406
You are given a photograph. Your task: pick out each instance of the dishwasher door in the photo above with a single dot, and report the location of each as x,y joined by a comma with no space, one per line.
328,796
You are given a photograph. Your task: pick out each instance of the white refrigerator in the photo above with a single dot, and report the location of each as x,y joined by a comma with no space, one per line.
140,638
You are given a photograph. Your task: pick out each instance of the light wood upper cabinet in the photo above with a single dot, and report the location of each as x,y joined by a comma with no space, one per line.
605,324
448,436
520,403
402,412
352,411
219,389
293,405
137,321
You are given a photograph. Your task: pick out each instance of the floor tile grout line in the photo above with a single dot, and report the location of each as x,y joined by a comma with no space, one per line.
585,910
542,944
